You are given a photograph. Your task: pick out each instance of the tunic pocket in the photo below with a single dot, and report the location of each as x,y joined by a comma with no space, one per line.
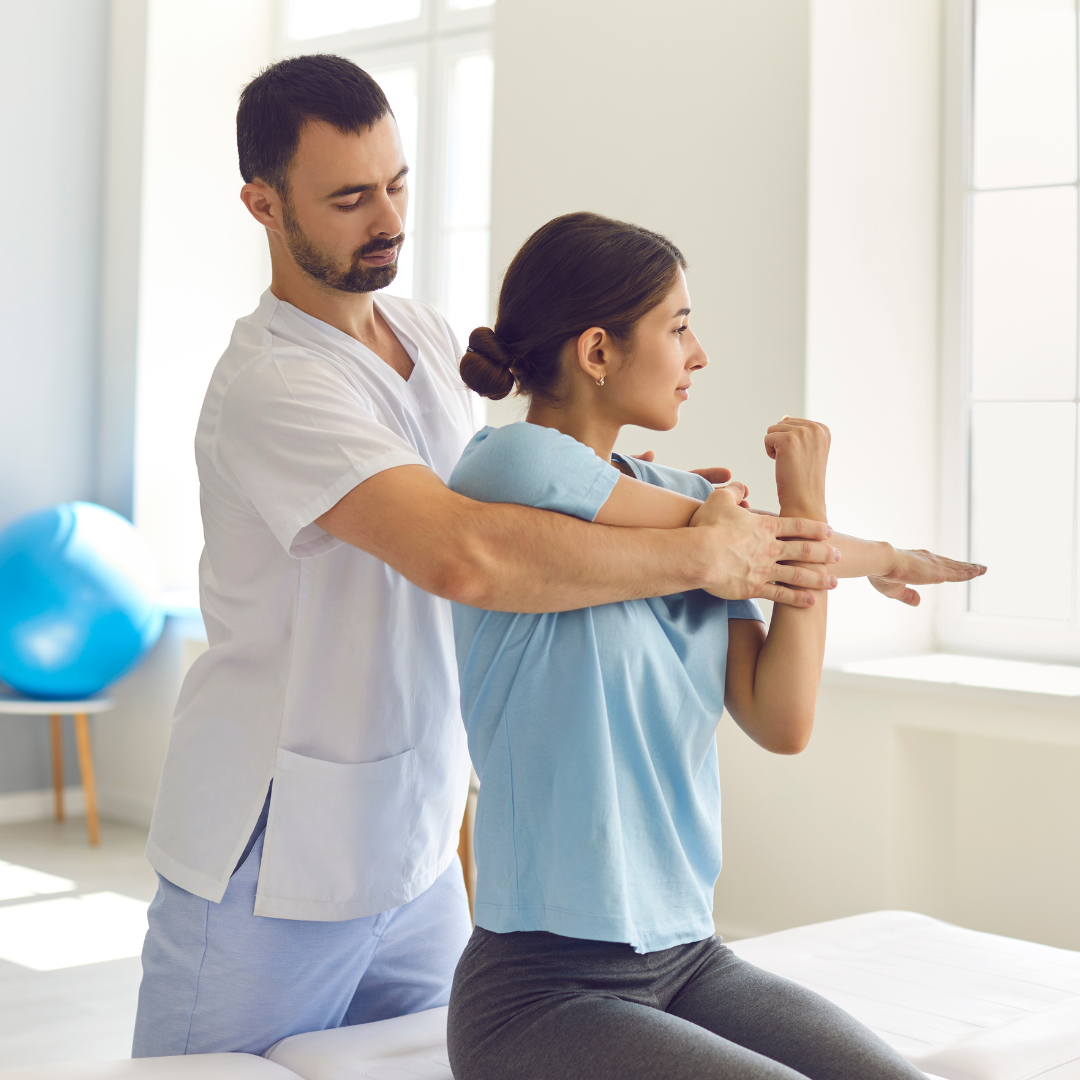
337,837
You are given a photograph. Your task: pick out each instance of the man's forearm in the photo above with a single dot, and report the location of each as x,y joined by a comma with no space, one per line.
527,560
516,558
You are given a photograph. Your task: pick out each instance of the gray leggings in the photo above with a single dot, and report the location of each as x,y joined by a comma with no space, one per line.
535,1006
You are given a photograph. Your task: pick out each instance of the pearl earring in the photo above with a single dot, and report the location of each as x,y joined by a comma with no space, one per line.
600,381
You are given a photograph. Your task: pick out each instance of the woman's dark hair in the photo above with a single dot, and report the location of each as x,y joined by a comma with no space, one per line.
279,101
577,271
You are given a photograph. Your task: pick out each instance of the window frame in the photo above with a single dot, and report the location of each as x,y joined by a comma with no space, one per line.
958,628
433,41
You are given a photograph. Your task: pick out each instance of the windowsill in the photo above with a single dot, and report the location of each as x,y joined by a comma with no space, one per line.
1018,676
967,695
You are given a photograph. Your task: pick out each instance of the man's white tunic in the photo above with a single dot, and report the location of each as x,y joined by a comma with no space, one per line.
327,672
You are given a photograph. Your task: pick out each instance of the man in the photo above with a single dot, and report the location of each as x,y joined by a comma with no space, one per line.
332,549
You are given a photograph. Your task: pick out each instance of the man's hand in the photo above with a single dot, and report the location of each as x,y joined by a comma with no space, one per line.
751,551
921,568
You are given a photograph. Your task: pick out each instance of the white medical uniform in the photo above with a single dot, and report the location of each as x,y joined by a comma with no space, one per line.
327,672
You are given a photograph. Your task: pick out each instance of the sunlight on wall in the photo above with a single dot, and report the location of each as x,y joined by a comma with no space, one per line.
203,259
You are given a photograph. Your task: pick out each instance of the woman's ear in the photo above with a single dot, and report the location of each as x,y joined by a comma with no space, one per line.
594,353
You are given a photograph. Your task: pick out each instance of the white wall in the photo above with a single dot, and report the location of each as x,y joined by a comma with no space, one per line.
52,79
812,233
872,318
691,119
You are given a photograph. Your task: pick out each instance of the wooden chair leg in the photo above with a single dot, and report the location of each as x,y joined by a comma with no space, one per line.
465,850
56,739
86,769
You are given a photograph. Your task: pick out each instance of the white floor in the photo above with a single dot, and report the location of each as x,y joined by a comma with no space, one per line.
85,1012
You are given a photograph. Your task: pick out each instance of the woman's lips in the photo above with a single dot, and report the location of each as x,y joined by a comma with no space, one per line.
684,391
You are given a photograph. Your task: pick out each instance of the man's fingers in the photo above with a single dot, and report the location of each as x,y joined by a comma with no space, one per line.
807,551
648,455
778,594
805,577
715,475
805,528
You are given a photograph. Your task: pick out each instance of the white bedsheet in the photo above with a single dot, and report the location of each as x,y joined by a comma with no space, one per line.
958,1003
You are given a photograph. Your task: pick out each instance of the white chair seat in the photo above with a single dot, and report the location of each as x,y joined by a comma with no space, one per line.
958,1003
191,1067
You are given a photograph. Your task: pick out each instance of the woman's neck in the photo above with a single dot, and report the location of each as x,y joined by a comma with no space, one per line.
579,420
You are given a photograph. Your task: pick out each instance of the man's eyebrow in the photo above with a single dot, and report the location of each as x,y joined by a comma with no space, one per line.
356,189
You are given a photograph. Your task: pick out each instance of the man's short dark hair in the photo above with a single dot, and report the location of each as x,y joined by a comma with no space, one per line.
279,101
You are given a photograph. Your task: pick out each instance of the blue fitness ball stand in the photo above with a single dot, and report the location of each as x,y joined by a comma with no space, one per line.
78,608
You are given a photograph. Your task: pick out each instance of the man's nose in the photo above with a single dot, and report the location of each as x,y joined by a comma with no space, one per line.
388,221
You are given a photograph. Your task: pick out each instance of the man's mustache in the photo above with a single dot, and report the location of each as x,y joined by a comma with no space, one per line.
373,246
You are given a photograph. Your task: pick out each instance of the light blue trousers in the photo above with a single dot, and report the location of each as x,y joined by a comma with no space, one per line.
216,977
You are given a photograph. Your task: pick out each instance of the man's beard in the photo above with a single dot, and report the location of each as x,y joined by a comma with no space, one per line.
322,267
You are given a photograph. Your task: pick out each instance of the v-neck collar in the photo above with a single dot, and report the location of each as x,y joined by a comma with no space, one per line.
332,332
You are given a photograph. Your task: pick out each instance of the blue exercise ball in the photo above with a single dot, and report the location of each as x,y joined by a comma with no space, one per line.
78,600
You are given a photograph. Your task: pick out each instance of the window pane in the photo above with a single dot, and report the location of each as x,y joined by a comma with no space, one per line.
1026,452
318,18
401,87
468,194
1023,317
469,142
466,284
1025,92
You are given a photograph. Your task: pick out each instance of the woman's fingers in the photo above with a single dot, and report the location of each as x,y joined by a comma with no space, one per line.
923,567
896,590
715,475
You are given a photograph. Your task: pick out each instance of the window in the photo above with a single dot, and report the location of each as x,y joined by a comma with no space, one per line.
433,60
1011,392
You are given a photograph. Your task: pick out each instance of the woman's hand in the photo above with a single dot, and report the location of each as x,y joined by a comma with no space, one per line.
921,568
800,449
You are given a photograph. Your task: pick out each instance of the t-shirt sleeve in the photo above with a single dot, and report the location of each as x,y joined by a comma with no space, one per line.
534,466
295,436
744,609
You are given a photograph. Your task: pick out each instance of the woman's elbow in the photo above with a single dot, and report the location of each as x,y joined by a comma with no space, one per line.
793,738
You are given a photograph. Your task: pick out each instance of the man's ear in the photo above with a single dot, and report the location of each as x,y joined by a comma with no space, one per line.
263,204
593,347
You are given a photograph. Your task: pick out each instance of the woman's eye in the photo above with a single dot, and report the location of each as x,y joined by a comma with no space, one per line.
682,329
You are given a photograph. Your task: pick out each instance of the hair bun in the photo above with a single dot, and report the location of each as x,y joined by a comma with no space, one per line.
485,367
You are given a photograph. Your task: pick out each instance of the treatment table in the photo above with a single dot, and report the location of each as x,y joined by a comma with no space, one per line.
958,1004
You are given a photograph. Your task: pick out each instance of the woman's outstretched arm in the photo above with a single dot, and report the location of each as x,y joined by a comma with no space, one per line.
892,571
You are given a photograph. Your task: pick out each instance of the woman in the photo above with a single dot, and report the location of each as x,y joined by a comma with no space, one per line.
598,824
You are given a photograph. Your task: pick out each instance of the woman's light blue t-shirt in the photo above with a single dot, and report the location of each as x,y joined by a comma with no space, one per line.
592,731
